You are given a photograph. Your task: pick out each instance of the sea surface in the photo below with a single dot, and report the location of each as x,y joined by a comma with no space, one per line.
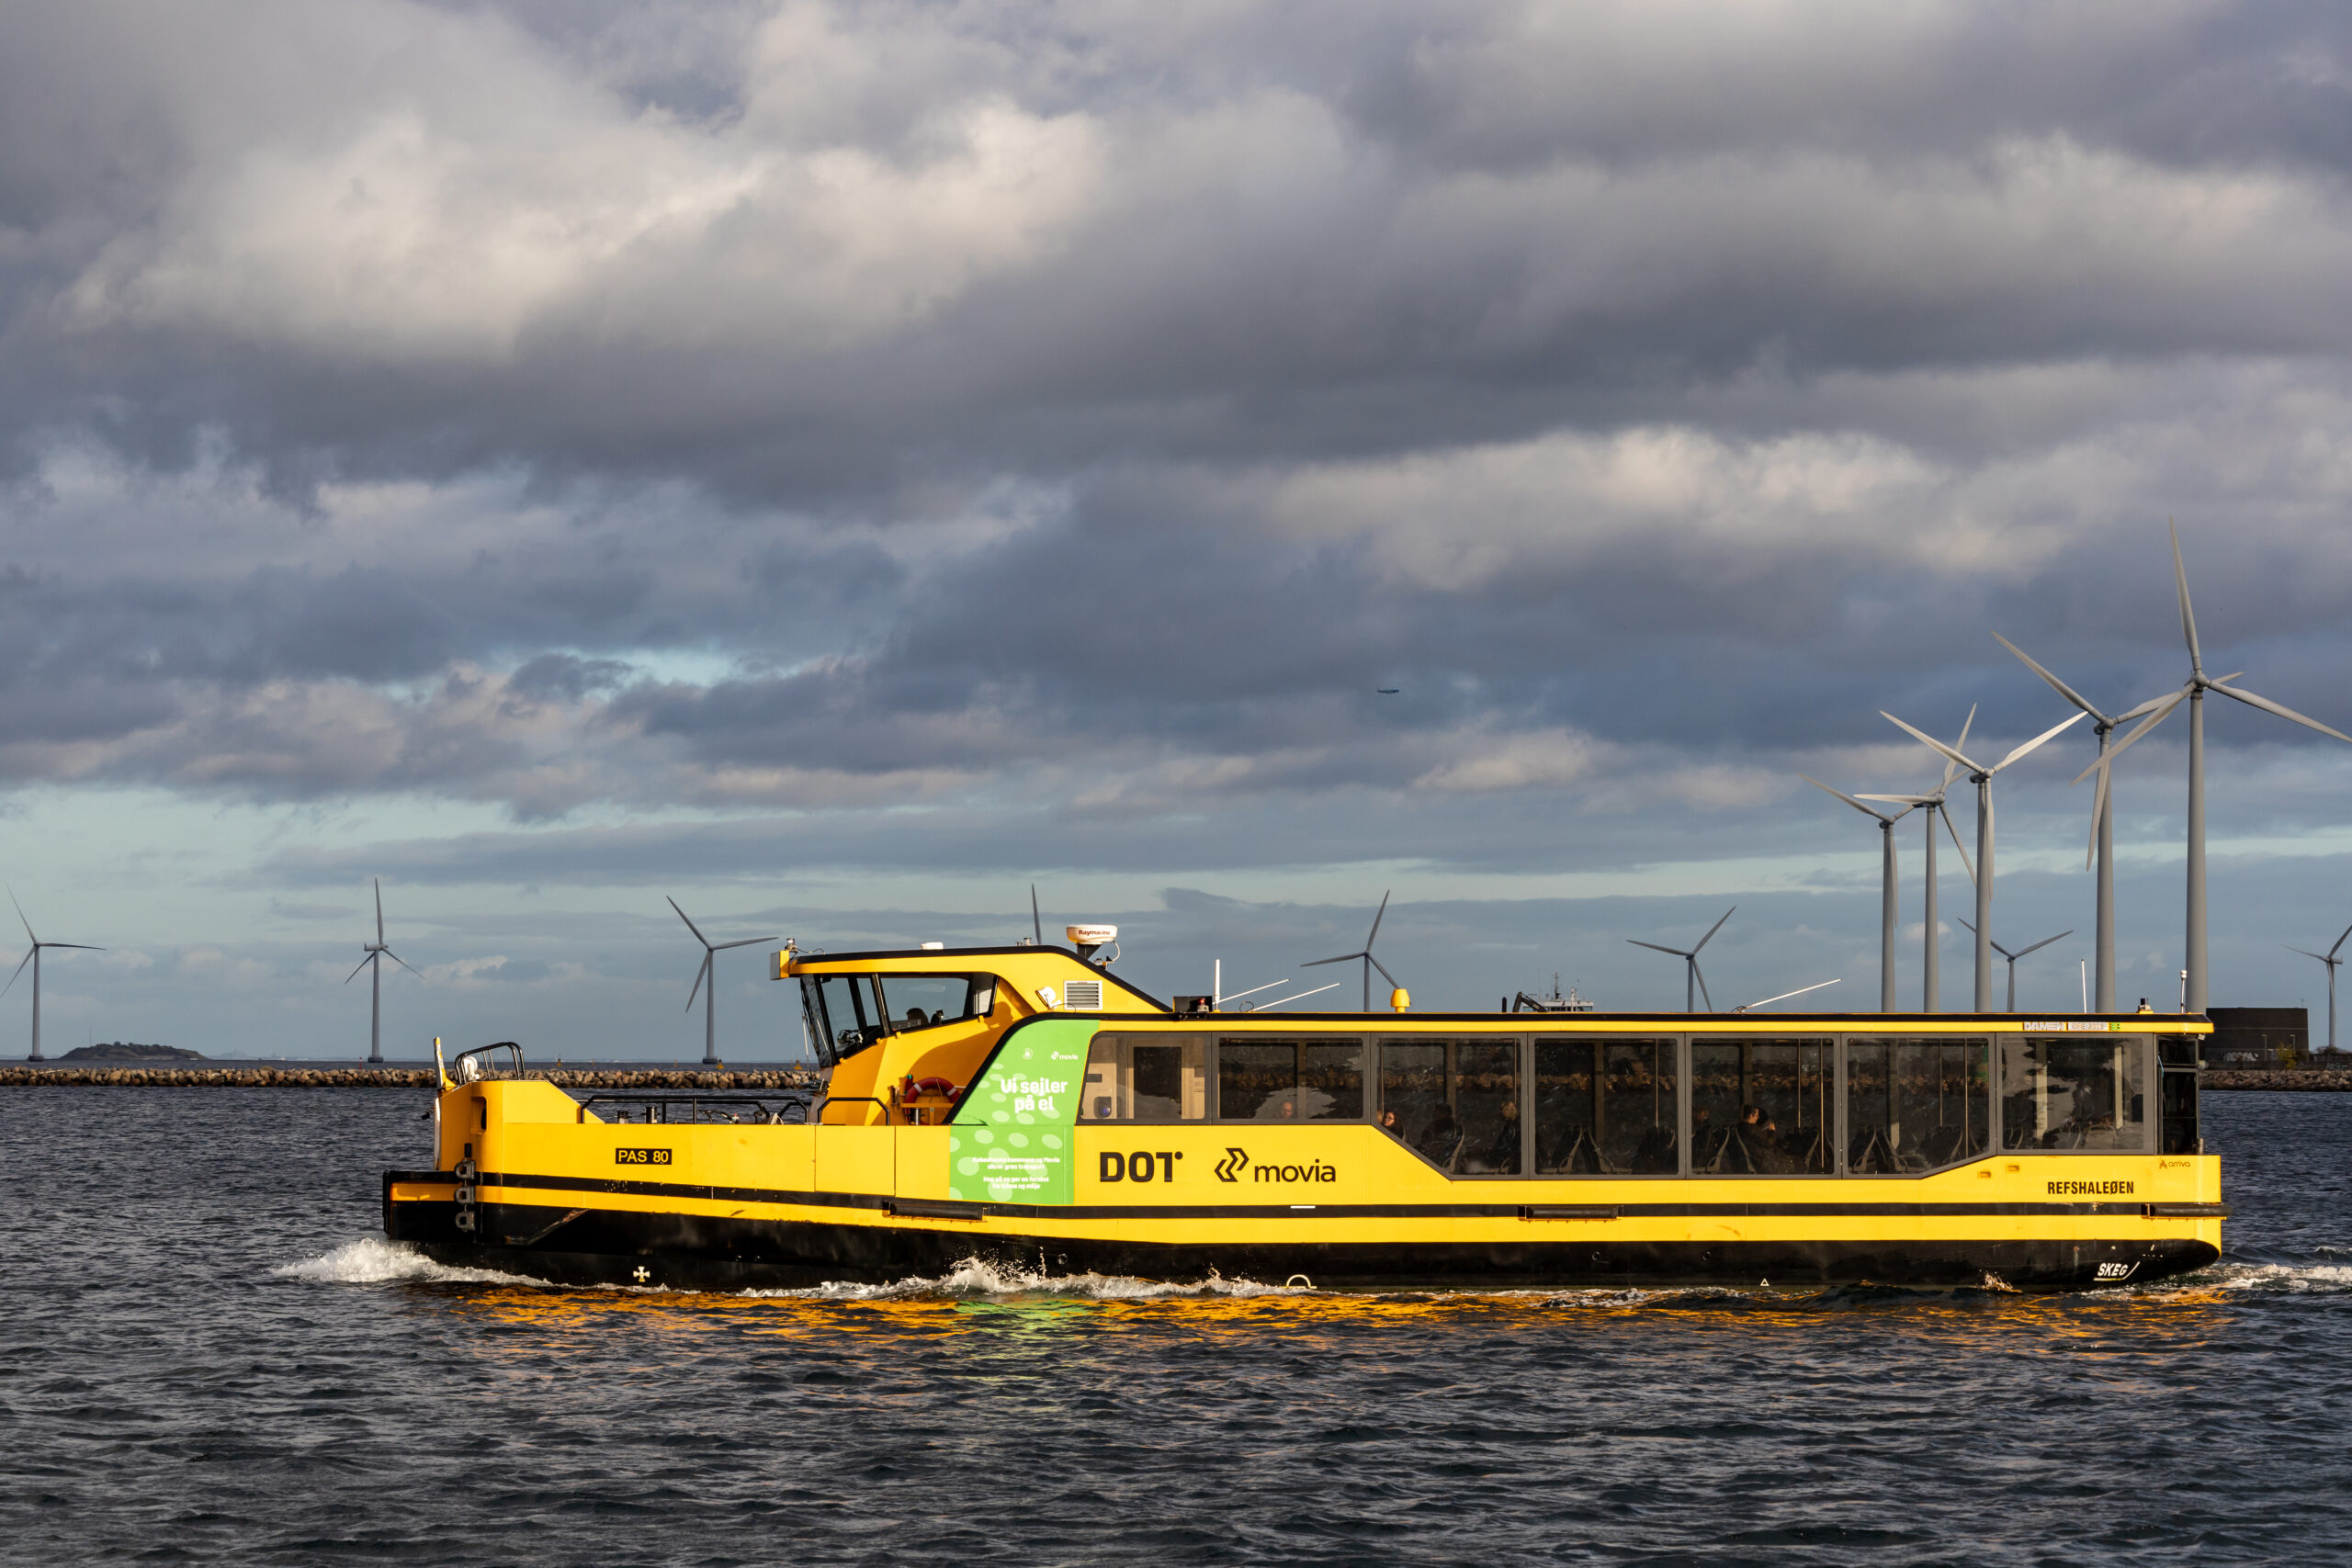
208,1354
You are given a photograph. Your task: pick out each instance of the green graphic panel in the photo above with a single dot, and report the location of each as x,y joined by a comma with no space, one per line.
1010,1141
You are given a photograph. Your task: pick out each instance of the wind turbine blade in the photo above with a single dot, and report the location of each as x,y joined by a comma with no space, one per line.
20,969
2028,745
1899,799
83,946
690,925
2163,712
1385,974
1958,745
699,976
1921,735
379,911
354,974
1700,975
2306,952
1945,812
1784,996
20,915
2057,685
1655,948
1375,925
1848,799
2045,942
2267,706
399,960
1343,958
2339,943
1713,930
2151,705
2187,615
1036,925
747,941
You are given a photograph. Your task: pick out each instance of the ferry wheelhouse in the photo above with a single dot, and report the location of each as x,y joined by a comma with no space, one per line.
1023,1104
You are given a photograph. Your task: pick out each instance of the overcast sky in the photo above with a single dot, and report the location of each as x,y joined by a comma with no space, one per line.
837,465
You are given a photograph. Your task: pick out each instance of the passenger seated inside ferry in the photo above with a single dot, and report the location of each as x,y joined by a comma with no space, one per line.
2066,1094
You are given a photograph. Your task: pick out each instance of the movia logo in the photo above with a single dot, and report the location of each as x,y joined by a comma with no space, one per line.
1235,1162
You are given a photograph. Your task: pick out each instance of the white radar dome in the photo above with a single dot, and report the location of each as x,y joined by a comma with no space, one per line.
1091,936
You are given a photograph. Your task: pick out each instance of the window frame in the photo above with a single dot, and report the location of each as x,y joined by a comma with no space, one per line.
2150,1091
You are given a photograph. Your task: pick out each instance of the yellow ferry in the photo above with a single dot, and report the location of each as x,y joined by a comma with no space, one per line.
1023,1105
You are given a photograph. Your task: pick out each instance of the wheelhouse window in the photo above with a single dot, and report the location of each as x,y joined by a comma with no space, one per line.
1457,1101
2176,1095
1763,1108
1606,1107
2074,1094
1290,1080
1916,1105
1144,1079
848,1013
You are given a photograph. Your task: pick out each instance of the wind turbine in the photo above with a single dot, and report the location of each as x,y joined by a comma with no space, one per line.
710,952
2333,963
2193,692
1370,963
377,953
33,958
2102,844
1886,898
1931,961
1983,777
2021,953
1691,976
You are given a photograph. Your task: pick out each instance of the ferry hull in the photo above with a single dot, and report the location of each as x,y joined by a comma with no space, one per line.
705,1252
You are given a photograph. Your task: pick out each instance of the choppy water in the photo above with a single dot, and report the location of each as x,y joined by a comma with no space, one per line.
206,1355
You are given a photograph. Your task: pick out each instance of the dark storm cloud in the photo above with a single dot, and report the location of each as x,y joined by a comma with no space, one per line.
1065,420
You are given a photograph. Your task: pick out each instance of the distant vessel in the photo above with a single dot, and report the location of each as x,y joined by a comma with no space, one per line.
1553,1003
1023,1104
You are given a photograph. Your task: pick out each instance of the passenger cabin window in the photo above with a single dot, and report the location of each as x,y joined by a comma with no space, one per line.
2074,1094
1457,1101
2176,1096
1606,1107
1290,1080
1144,1079
848,1013
1763,1108
1916,1105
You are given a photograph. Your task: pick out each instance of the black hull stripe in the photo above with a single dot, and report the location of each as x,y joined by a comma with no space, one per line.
884,1203
622,1246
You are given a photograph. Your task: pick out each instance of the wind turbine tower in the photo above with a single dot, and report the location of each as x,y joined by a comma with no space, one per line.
709,993
1370,963
1887,891
1932,803
1983,777
1693,981
377,953
2333,963
33,958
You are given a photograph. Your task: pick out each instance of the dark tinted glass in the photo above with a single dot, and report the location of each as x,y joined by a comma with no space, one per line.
1485,1102
1762,1107
1330,1082
845,1014
1412,1087
1639,1116
1159,1082
918,1001
1916,1105
1565,1094
2074,1094
1257,1081
2179,1130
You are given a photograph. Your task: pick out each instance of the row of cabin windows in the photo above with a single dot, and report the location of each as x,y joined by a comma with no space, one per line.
1667,1106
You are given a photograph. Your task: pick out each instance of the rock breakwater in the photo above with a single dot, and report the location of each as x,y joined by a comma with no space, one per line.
2300,1078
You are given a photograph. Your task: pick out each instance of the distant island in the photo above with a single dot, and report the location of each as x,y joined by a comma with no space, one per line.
126,1051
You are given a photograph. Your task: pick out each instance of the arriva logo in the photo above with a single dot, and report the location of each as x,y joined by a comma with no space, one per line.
1230,1168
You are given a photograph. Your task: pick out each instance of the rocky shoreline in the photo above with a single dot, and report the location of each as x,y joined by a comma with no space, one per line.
381,1078
2300,1078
